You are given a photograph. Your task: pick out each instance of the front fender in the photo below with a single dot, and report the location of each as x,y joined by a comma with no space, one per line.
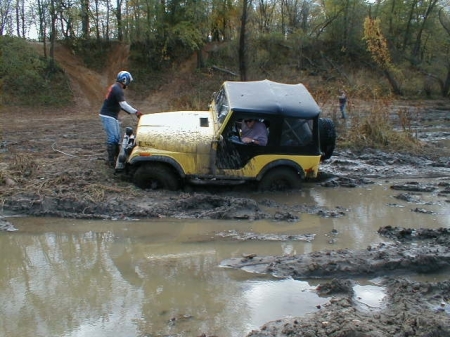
136,161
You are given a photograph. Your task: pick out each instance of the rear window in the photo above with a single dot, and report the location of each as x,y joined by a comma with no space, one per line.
296,132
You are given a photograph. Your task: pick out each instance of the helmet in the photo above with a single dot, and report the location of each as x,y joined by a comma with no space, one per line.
124,77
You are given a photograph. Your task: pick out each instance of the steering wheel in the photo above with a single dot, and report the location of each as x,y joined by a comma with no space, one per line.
235,134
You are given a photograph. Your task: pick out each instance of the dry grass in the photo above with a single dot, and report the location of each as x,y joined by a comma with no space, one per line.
376,118
99,192
23,166
382,125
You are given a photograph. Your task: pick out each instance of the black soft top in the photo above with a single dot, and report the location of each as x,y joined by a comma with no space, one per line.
291,100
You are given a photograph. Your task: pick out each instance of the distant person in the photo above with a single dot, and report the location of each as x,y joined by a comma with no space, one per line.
342,103
254,132
109,113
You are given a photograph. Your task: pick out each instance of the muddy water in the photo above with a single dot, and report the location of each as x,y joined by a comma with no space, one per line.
70,278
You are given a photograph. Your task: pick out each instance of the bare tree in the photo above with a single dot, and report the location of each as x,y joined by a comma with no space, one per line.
445,22
119,20
53,16
20,18
5,14
97,19
417,45
266,11
42,24
84,8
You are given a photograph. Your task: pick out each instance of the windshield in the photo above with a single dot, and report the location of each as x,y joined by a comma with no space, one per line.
221,105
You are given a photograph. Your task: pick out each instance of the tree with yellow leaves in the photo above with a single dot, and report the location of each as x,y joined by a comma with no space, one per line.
378,48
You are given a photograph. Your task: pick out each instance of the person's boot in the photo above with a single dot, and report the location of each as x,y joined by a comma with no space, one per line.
111,148
116,151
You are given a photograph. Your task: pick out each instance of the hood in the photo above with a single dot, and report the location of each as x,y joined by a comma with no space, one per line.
180,131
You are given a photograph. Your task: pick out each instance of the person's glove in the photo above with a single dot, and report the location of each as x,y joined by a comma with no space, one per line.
139,114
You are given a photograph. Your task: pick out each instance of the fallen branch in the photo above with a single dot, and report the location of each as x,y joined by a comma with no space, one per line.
223,70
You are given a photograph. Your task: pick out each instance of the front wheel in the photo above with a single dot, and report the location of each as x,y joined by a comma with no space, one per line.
280,179
156,176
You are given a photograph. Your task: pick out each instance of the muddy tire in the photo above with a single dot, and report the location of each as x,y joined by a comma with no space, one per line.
280,179
156,176
327,132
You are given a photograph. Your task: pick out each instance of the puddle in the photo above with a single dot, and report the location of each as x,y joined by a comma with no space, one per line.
369,296
64,277
269,300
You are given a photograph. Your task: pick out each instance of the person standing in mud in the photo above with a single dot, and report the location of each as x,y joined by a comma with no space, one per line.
342,103
109,114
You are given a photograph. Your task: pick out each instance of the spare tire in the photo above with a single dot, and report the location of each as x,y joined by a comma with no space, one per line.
327,133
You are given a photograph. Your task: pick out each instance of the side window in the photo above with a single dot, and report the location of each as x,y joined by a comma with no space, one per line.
242,128
296,132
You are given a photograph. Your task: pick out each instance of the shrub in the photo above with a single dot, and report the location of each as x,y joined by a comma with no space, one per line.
374,127
29,79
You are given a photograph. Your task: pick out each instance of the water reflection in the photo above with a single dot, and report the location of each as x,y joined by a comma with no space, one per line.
61,277
277,299
73,281
371,296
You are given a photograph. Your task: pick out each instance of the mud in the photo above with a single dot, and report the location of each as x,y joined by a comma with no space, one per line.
53,164
385,259
6,226
63,174
409,308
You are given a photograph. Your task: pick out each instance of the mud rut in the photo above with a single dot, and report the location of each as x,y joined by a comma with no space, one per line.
52,164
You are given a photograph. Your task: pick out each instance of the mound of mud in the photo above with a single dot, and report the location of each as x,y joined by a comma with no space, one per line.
411,309
408,309
380,260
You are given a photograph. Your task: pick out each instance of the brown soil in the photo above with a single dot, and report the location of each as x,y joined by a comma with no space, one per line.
53,164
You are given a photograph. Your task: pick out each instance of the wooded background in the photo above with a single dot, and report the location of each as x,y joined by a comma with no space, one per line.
392,36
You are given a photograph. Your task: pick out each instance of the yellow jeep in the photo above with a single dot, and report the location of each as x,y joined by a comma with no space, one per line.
171,149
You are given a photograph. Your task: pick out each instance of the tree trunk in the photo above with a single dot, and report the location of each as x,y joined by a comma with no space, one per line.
200,59
18,18
394,85
409,23
418,43
446,86
85,18
242,42
42,27
119,21
97,21
52,34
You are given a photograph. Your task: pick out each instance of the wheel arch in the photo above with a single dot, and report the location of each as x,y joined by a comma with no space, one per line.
281,163
172,163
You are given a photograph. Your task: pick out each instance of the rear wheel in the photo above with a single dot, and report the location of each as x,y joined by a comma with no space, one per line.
156,176
280,179
327,133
